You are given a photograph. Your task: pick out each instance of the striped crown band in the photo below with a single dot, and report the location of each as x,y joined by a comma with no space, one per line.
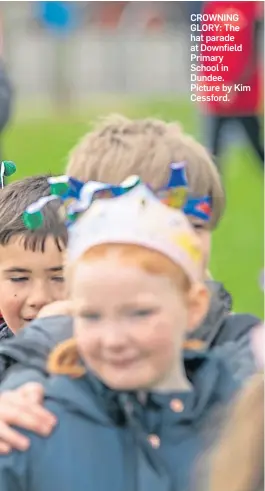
76,197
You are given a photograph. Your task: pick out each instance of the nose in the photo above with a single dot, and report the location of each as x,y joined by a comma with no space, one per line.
40,295
114,339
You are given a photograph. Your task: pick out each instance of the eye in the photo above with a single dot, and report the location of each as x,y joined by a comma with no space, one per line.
58,279
91,316
198,226
142,312
19,279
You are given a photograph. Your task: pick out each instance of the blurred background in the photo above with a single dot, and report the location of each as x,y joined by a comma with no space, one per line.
70,62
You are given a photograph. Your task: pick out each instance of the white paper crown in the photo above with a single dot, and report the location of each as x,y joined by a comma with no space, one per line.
138,217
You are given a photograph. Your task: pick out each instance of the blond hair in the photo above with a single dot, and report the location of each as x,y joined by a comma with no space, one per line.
119,147
237,462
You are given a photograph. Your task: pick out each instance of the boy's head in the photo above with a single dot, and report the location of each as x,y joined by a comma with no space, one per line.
120,147
31,262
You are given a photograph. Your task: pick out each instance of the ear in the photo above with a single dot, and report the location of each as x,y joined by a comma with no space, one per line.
198,305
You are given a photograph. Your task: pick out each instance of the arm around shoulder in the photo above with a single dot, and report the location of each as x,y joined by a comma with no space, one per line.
18,375
32,346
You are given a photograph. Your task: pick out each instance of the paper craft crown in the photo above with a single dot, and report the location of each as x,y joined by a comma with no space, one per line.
76,196
7,168
135,214
138,217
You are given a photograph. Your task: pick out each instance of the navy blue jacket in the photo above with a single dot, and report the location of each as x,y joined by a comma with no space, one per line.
102,441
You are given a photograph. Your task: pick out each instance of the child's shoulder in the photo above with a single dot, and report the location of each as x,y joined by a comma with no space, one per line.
229,326
236,344
221,325
235,327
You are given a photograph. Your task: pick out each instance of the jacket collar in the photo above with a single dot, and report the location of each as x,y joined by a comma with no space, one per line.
211,382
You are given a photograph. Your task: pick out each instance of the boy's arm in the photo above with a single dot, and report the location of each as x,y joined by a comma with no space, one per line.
32,346
26,354
24,409
18,375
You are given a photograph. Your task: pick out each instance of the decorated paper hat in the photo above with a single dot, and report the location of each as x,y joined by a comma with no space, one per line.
138,217
76,196
132,213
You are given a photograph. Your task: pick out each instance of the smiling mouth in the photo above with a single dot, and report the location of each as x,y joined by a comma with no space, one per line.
122,363
28,319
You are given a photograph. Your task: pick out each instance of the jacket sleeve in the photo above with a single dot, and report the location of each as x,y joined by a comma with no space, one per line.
19,375
32,346
24,357
13,472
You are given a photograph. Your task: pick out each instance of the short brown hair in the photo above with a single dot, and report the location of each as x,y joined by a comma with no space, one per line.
14,199
119,147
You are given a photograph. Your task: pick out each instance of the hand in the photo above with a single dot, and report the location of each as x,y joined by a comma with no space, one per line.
23,408
62,307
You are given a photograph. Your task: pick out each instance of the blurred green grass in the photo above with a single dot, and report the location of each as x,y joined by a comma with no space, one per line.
40,145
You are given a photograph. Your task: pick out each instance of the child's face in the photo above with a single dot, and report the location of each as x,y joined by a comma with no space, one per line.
29,281
204,234
129,324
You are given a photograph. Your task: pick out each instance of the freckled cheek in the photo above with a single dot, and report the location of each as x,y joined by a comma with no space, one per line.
88,343
157,337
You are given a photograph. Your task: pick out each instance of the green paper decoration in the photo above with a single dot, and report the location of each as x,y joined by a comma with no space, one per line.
59,188
33,220
10,168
